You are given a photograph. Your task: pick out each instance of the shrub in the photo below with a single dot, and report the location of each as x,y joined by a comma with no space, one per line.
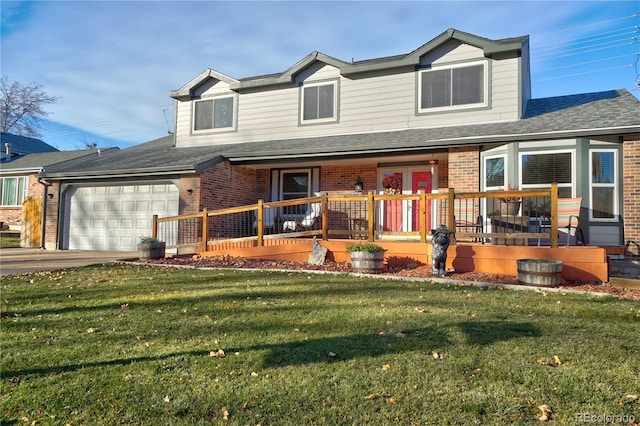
366,247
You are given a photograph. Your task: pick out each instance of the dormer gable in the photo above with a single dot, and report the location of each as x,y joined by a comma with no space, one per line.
189,90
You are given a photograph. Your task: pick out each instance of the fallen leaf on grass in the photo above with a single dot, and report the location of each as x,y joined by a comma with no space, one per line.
225,413
331,354
546,413
373,396
437,355
557,360
386,367
91,330
218,354
421,310
167,399
632,397
390,401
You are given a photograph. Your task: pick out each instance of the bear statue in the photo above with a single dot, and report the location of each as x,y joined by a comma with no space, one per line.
441,238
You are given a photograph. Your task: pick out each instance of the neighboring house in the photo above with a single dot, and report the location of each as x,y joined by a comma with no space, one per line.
455,113
15,146
19,180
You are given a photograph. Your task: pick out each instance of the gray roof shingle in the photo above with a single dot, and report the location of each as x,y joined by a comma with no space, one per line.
610,113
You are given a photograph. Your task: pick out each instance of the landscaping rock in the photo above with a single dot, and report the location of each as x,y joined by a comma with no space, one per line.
318,254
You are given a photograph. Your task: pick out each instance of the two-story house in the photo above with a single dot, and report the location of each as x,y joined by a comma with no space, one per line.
457,112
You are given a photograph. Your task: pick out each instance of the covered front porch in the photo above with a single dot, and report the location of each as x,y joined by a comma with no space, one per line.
489,236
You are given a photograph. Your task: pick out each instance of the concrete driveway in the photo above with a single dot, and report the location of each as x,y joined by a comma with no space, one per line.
25,260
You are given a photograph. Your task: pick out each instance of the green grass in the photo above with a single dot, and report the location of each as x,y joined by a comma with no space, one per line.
133,345
9,241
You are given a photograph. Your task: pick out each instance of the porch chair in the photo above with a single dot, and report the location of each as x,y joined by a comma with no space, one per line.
268,220
568,212
465,218
314,210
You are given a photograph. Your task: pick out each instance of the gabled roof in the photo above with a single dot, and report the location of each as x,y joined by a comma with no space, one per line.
154,158
21,145
612,113
186,91
38,162
489,47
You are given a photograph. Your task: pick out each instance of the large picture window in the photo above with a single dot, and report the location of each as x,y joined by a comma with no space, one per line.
13,190
453,87
213,114
603,167
319,103
541,169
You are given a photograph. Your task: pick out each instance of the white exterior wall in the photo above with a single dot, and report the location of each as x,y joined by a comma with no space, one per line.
378,101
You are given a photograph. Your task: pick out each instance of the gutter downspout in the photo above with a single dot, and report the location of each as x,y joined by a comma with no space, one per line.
43,221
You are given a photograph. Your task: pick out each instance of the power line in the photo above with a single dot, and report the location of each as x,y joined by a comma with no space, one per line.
582,73
635,15
583,63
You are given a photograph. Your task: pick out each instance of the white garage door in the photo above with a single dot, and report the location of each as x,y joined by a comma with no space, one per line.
114,217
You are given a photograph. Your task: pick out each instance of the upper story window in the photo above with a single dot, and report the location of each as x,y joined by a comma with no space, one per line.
456,86
319,102
13,190
214,114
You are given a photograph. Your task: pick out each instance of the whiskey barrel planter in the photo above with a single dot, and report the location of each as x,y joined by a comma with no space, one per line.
539,272
151,251
367,262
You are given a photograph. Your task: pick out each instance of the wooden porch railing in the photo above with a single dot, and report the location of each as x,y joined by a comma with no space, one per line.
367,216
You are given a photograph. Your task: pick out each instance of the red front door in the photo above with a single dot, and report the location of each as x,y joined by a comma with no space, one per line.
421,181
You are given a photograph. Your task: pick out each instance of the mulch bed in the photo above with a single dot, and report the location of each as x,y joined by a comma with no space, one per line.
415,271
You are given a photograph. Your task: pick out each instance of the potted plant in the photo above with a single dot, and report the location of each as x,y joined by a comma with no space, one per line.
510,205
366,258
150,248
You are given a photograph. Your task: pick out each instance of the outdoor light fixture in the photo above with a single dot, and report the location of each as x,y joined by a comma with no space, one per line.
359,185
50,196
190,191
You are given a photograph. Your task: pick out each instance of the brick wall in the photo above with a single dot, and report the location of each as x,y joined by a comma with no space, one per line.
631,193
222,186
464,169
340,180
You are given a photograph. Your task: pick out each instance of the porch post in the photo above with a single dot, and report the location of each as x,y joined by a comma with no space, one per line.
325,215
260,223
154,226
451,219
423,215
370,219
205,230
554,215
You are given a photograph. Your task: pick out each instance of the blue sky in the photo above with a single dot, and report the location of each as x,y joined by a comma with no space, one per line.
113,63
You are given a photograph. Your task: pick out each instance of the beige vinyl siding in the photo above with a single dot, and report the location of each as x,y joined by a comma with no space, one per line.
374,102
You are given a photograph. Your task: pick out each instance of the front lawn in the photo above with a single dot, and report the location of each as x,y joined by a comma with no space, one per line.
150,345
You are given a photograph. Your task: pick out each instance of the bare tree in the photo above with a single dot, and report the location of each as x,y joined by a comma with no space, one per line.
22,108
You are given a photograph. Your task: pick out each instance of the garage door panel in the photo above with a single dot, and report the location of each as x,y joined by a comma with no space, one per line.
114,217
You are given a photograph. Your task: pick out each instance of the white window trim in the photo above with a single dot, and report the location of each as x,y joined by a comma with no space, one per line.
331,119
25,190
484,172
573,183
483,104
234,121
313,174
616,210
